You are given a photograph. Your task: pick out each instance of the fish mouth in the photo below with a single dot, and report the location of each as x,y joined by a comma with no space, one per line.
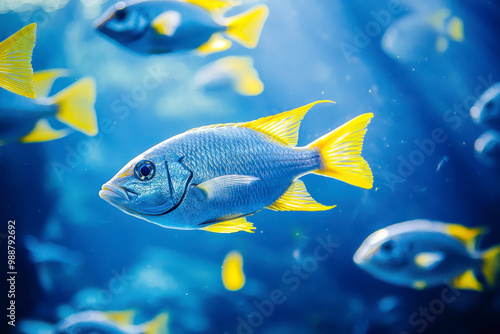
116,195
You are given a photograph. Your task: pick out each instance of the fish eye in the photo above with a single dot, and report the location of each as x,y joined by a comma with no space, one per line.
144,170
387,246
121,14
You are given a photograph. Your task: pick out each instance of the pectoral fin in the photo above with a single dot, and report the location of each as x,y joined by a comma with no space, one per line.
467,281
43,132
428,260
222,185
419,285
216,43
231,226
167,23
296,198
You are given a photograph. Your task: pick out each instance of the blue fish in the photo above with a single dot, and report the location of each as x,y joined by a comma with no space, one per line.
16,73
422,253
486,110
119,322
26,120
211,178
165,26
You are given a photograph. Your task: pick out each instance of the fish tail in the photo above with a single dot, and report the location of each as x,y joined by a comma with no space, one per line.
76,106
157,325
245,28
340,151
16,73
491,264
246,78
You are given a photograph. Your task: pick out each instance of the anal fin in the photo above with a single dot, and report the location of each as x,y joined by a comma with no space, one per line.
43,132
296,198
216,43
231,226
467,281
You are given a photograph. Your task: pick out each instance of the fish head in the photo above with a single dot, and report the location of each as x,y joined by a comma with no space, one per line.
125,23
383,253
486,110
149,186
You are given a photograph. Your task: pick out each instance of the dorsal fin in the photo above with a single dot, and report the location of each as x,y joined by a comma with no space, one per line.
283,127
296,198
469,236
214,6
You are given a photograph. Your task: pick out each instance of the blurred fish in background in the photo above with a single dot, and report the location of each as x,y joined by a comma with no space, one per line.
237,72
16,74
171,26
109,322
486,110
419,36
487,148
233,276
27,121
422,253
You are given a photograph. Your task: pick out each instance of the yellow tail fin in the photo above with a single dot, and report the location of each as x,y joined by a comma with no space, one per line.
76,106
16,73
491,264
246,27
341,153
158,325
246,78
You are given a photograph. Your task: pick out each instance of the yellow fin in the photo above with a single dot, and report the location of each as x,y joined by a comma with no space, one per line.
44,80
467,281
241,70
456,29
283,127
245,28
419,285
16,73
158,325
428,260
167,23
491,264
214,6
469,236
232,274
231,226
216,43
120,317
441,44
340,150
76,106
439,17
296,198
43,132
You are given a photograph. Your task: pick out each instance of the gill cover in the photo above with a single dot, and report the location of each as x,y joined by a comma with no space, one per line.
179,176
